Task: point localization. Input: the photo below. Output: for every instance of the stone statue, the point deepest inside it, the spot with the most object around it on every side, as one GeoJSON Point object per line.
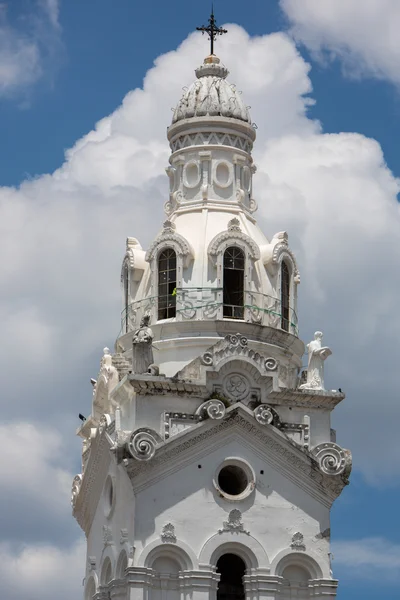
{"type": "Point", "coordinates": [317, 354]}
{"type": "Point", "coordinates": [142, 347]}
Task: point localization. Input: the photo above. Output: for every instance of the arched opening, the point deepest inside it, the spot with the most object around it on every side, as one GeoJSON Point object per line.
{"type": "Point", "coordinates": [233, 286]}
{"type": "Point", "coordinates": [122, 565]}
{"type": "Point", "coordinates": [285, 296]}
{"type": "Point", "coordinates": [166, 578]}
{"type": "Point", "coordinates": [126, 295]}
{"type": "Point", "coordinates": [167, 284]}
{"type": "Point", "coordinates": [232, 569]}
{"type": "Point", "coordinates": [296, 582]}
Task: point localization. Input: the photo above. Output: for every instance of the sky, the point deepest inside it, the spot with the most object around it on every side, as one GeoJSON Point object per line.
{"type": "Point", "coordinates": [86, 91]}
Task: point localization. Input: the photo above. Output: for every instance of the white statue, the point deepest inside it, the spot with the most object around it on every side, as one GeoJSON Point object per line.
{"type": "Point", "coordinates": [317, 354]}
{"type": "Point", "coordinates": [142, 347]}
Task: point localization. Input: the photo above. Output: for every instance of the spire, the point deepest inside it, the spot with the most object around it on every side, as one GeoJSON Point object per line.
{"type": "Point", "coordinates": [212, 30]}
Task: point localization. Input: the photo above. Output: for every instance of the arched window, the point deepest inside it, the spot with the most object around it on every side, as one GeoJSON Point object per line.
{"type": "Point", "coordinates": [233, 290]}
{"type": "Point", "coordinates": [232, 569]}
{"type": "Point", "coordinates": [126, 295]}
{"type": "Point", "coordinates": [285, 296]}
{"type": "Point", "coordinates": [167, 284]}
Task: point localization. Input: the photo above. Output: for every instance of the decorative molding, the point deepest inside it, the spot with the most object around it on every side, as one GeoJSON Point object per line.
{"type": "Point", "coordinates": [213, 409]}
{"type": "Point", "coordinates": [107, 535]}
{"type": "Point", "coordinates": [76, 486]}
{"type": "Point", "coordinates": [263, 414]}
{"type": "Point", "coordinates": [91, 560]}
{"type": "Point", "coordinates": [332, 459]}
{"type": "Point", "coordinates": [142, 443]}
{"type": "Point", "coordinates": [124, 537]}
{"type": "Point", "coordinates": [297, 462]}
{"type": "Point", "coordinates": [211, 139]}
{"type": "Point", "coordinates": [234, 236]}
{"type": "Point", "coordinates": [169, 237]}
{"type": "Point", "coordinates": [168, 534]}
{"type": "Point", "coordinates": [298, 542]}
{"type": "Point", "coordinates": [234, 523]}
{"type": "Point", "coordinates": [175, 422]}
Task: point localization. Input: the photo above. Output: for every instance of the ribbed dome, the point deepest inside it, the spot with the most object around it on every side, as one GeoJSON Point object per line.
{"type": "Point", "coordinates": [211, 95]}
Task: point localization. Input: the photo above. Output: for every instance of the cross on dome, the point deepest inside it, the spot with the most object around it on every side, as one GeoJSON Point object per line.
{"type": "Point", "coordinates": [212, 30]}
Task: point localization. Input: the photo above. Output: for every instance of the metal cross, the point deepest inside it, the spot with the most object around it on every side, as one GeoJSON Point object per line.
{"type": "Point", "coordinates": [212, 30]}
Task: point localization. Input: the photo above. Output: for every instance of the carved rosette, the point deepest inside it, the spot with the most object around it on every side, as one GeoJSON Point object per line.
{"type": "Point", "coordinates": [142, 445]}
{"type": "Point", "coordinates": [76, 486]}
{"type": "Point", "coordinates": [332, 459]}
{"type": "Point", "coordinates": [263, 414]}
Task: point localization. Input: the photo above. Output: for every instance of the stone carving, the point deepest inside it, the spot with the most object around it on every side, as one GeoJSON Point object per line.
{"type": "Point", "coordinates": [122, 365]}
{"type": "Point", "coordinates": [107, 535]}
{"type": "Point", "coordinates": [76, 486]}
{"type": "Point", "coordinates": [169, 237]}
{"type": "Point", "coordinates": [124, 536]}
{"type": "Point", "coordinates": [234, 224]}
{"type": "Point", "coordinates": [107, 379]}
{"type": "Point", "coordinates": [317, 354]}
{"type": "Point", "coordinates": [234, 523]}
{"type": "Point", "coordinates": [237, 339]}
{"type": "Point", "coordinates": [213, 409]}
{"type": "Point", "coordinates": [332, 459]}
{"type": "Point", "coordinates": [207, 358]}
{"type": "Point", "coordinates": [271, 364]}
{"type": "Point", "coordinates": [142, 343]}
{"type": "Point", "coordinates": [300, 464]}
{"type": "Point", "coordinates": [218, 243]}
{"type": "Point", "coordinates": [298, 542]}
{"type": "Point", "coordinates": [105, 421]}
{"type": "Point", "coordinates": [236, 386]}
{"type": "Point", "coordinates": [263, 414]}
{"type": "Point", "coordinates": [142, 444]}
{"type": "Point", "coordinates": [91, 563]}
{"type": "Point", "coordinates": [168, 534]}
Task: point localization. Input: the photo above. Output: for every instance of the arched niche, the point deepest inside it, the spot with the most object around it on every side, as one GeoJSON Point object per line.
{"type": "Point", "coordinates": [307, 561]}
{"type": "Point", "coordinates": [180, 551]}
{"type": "Point", "coordinates": [243, 545]}
{"type": "Point", "coordinates": [122, 564]}
{"type": "Point", "coordinates": [106, 573]}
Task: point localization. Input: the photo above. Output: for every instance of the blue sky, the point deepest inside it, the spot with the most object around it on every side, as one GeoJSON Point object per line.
{"type": "Point", "coordinates": [82, 60]}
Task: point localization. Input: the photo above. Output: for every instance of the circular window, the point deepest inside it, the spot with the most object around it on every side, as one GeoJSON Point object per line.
{"type": "Point", "coordinates": [191, 175]}
{"type": "Point", "coordinates": [234, 479]}
{"type": "Point", "coordinates": [223, 174]}
{"type": "Point", "coordinates": [109, 496]}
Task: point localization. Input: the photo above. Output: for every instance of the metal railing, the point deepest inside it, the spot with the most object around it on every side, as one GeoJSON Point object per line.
{"type": "Point", "coordinates": [206, 304]}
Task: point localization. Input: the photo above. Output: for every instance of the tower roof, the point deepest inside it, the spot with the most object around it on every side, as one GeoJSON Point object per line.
{"type": "Point", "coordinates": [211, 95]}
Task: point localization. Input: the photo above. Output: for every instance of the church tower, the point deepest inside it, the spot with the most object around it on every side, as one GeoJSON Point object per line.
{"type": "Point", "coordinates": [209, 466]}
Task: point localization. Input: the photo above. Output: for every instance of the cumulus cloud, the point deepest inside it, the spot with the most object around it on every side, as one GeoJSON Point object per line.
{"type": "Point", "coordinates": [42, 572]}
{"type": "Point", "coordinates": [362, 33]}
{"type": "Point", "coordinates": [64, 237]}
{"type": "Point", "coordinates": [369, 557]}
{"type": "Point", "coordinates": [27, 45]}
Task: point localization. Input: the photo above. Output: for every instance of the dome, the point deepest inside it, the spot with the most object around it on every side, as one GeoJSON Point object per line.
{"type": "Point", "coordinates": [211, 95]}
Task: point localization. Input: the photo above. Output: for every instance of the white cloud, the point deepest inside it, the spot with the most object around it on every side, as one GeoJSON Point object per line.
{"type": "Point", "coordinates": [26, 46]}
{"type": "Point", "coordinates": [363, 33]}
{"type": "Point", "coordinates": [42, 572]}
{"type": "Point", "coordinates": [369, 557]}
{"type": "Point", "coordinates": [64, 236]}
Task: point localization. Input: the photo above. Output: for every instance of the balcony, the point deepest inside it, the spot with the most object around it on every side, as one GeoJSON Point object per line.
{"type": "Point", "coordinates": [206, 304]}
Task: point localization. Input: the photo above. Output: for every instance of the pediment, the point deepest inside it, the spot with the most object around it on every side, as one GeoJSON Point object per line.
{"type": "Point", "coordinates": [238, 422]}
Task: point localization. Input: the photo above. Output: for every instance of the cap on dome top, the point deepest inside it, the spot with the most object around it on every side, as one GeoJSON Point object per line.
{"type": "Point", "coordinates": [211, 95]}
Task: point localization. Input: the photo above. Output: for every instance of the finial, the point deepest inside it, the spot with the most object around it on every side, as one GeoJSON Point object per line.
{"type": "Point", "coordinates": [212, 30]}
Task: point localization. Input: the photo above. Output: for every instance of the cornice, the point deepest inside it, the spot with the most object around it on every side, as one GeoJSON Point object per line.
{"type": "Point", "coordinates": [306, 398]}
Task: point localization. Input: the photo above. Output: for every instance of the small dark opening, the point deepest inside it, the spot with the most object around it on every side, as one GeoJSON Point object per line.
{"type": "Point", "coordinates": [199, 466]}
{"type": "Point", "coordinates": [167, 284]}
{"type": "Point", "coordinates": [262, 472]}
{"type": "Point", "coordinates": [232, 480]}
{"type": "Point", "coordinates": [233, 290]}
{"type": "Point", "coordinates": [285, 296]}
{"type": "Point", "coordinates": [232, 570]}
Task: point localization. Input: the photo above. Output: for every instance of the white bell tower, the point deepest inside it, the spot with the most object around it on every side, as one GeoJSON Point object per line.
{"type": "Point", "coordinates": [209, 466]}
